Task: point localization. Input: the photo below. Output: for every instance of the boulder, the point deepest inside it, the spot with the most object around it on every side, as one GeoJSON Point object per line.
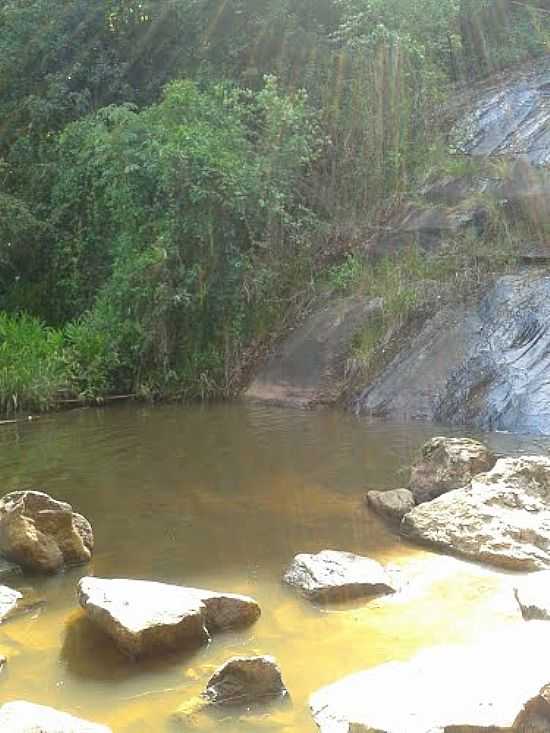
{"type": "Point", "coordinates": [393, 504]}
{"type": "Point", "coordinates": [245, 681]}
{"type": "Point", "coordinates": [25, 717]}
{"type": "Point", "coordinates": [533, 595]}
{"type": "Point", "coordinates": [448, 689]}
{"type": "Point", "coordinates": [142, 617]}
{"type": "Point", "coordinates": [446, 464]}
{"type": "Point", "coordinates": [331, 575]}
{"type": "Point", "coordinates": [502, 517]}
{"type": "Point", "coordinates": [9, 599]}
{"type": "Point", "coordinates": [41, 533]}
{"type": "Point", "coordinates": [226, 610]}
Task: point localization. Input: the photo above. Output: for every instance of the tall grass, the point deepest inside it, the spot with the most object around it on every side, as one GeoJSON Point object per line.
{"type": "Point", "coordinates": [32, 367]}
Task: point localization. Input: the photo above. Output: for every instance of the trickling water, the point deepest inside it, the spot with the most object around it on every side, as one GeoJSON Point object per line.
{"type": "Point", "coordinates": [222, 497]}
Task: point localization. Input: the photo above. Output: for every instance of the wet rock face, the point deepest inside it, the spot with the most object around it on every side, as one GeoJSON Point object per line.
{"type": "Point", "coordinates": [482, 365]}
{"type": "Point", "coordinates": [245, 681]}
{"type": "Point", "coordinates": [502, 517]}
{"type": "Point", "coordinates": [24, 717]}
{"type": "Point", "coordinates": [511, 119]}
{"type": "Point", "coordinates": [392, 504]}
{"type": "Point", "coordinates": [332, 576]}
{"type": "Point", "coordinates": [446, 464]}
{"type": "Point", "coordinates": [145, 618]}
{"type": "Point", "coordinates": [43, 534]}
{"type": "Point", "coordinates": [473, 689]}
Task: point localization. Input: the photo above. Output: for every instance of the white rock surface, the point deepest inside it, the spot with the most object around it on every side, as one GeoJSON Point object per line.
{"type": "Point", "coordinates": [25, 717]}
{"type": "Point", "coordinates": [332, 575]}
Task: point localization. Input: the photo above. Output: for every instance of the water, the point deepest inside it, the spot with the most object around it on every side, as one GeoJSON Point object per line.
{"type": "Point", "coordinates": [222, 497]}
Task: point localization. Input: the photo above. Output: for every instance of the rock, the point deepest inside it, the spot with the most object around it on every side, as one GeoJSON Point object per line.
{"type": "Point", "coordinates": [226, 610]}
{"type": "Point", "coordinates": [142, 617]}
{"type": "Point", "coordinates": [41, 533]}
{"type": "Point", "coordinates": [446, 689]}
{"type": "Point", "coordinates": [7, 568]}
{"type": "Point", "coordinates": [446, 464]}
{"type": "Point", "coordinates": [533, 595]}
{"type": "Point", "coordinates": [9, 599]}
{"type": "Point", "coordinates": [25, 717]}
{"type": "Point", "coordinates": [393, 504]}
{"type": "Point", "coordinates": [337, 576]}
{"type": "Point", "coordinates": [535, 716]}
{"type": "Point", "coordinates": [481, 363]}
{"type": "Point", "coordinates": [502, 517]}
{"type": "Point", "coordinates": [308, 367]}
{"type": "Point", "coordinates": [512, 119]}
{"type": "Point", "coordinates": [245, 681]}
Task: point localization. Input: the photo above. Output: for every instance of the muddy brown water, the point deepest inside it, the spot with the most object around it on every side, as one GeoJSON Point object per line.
{"type": "Point", "coordinates": [222, 497]}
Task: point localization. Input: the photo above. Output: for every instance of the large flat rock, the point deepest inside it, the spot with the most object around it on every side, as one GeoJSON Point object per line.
{"type": "Point", "coordinates": [25, 717]}
{"type": "Point", "coordinates": [332, 575]}
{"type": "Point", "coordinates": [143, 617]}
{"type": "Point", "coordinates": [308, 366]}
{"type": "Point", "coordinates": [502, 517]}
{"type": "Point", "coordinates": [482, 687]}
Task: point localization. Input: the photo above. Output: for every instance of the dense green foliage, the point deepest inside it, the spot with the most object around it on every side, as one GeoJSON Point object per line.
{"type": "Point", "coordinates": [172, 172]}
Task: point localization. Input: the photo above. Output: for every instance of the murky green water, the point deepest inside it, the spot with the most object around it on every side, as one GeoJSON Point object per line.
{"type": "Point", "coordinates": [222, 497]}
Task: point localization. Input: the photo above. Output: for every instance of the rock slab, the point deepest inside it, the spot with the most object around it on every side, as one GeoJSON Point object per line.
{"type": "Point", "coordinates": [392, 504]}
{"type": "Point", "coordinates": [502, 517]}
{"type": "Point", "coordinates": [42, 534]}
{"type": "Point", "coordinates": [25, 717]}
{"type": "Point", "coordinates": [144, 618]}
{"type": "Point", "coordinates": [246, 681]}
{"type": "Point", "coordinates": [446, 464]}
{"type": "Point", "coordinates": [9, 599]}
{"type": "Point", "coordinates": [332, 575]}
{"type": "Point", "coordinates": [445, 689]}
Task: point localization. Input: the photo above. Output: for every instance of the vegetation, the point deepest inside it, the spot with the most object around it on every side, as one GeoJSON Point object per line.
{"type": "Point", "coordinates": [174, 174]}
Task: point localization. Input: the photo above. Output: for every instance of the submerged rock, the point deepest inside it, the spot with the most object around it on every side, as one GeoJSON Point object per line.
{"type": "Point", "coordinates": [331, 575]}
{"type": "Point", "coordinates": [479, 688]}
{"type": "Point", "coordinates": [446, 464]}
{"type": "Point", "coordinates": [246, 681]}
{"type": "Point", "coordinates": [25, 717]}
{"type": "Point", "coordinates": [502, 517]}
{"type": "Point", "coordinates": [41, 533]}
{"type": "Point", "coordinates": [393, 504]}
{"type": "Point", "coordinates": [533, 595]}
{"type": "Point", "coordinates": [144, 617]}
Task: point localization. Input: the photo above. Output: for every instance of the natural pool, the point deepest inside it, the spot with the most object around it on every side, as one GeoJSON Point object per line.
{"type": "Point", "coordinates": [222, 497]}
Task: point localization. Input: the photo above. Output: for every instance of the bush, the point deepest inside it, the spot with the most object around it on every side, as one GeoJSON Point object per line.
{"type": "Point", "coordinates": [32, 367]}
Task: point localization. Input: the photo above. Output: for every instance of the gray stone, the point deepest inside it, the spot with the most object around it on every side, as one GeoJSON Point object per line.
{"type": "Point", "coordinates": [309, 366]}
{"type": "Point", "coordinates": [483, 687]}
{"type": "Point", "coordinates": [142, 617]}
{"type": "Point", "coordinates": [533, 595]}
{"type": "Point", "coordinates": [502, 517]}
{"type": "Point", "coordinates": [393, 504]}
{"type": "Point", "coordinates": [25, 717]}
{"type": "Point", "coordinates": [41, 533]}
{"type": "Point", "coordinates": [226, 610]}
{"type": "Point", "coordinates": [331, 575]}
{"type": "Point", "coordinates": [446, 464]}
{"type": "Point", "coordinates": [245, 681]}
